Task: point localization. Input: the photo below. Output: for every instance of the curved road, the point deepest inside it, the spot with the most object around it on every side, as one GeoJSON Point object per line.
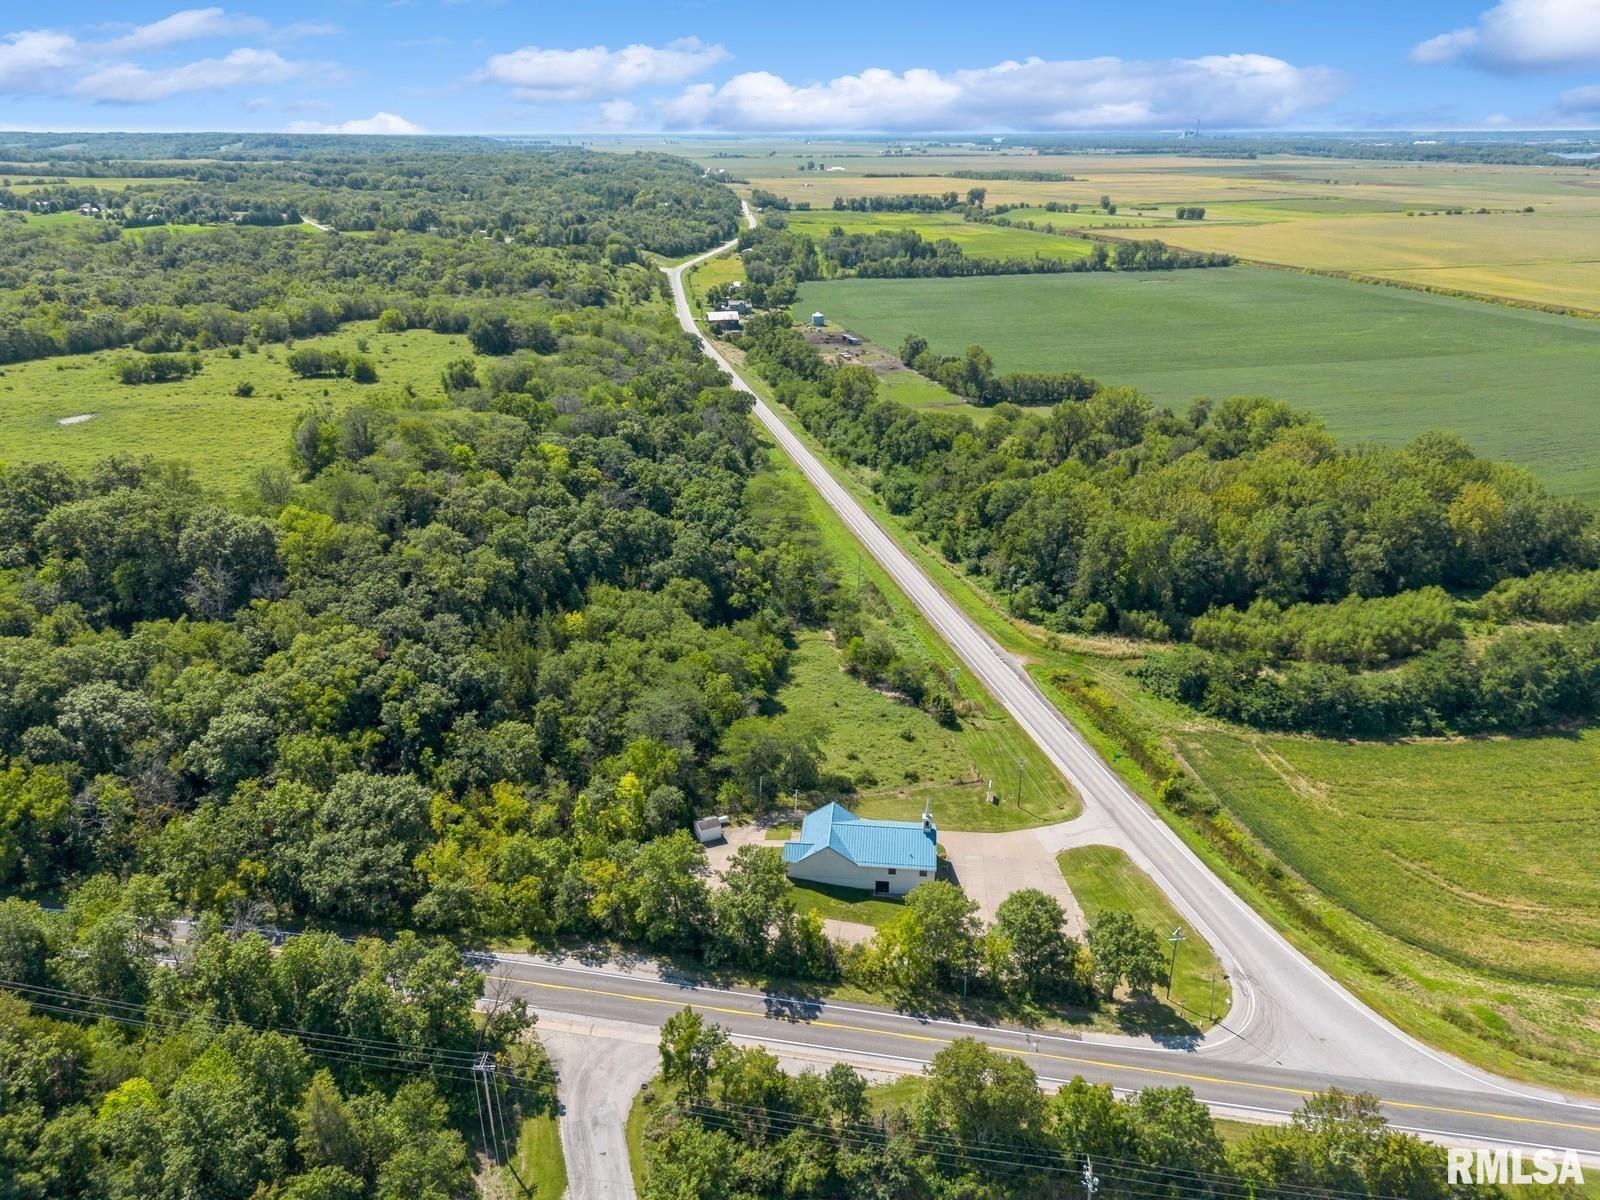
{"type": "Point", "coordinates": [1288, 1013]}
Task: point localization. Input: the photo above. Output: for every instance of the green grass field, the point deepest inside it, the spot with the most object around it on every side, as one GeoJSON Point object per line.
{"type": "Point", "coordinates": [1375, 363]}
{"type": "Point", "coordinates": [224, 437]}
{"type": "Point", "coordinates": [1103, 877]}
{"type": "Point", "coordinates": [844, 904]}
{"type": "Point", "coordinates": [975, 238]}
{"type": "Point", "coordinates": [540, 1165]}
{"type": "Point", "coordinates": [900, 757]}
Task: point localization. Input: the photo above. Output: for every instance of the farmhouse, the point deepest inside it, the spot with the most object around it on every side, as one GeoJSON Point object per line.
{"type": "Point", "coordinates": [888, 858]}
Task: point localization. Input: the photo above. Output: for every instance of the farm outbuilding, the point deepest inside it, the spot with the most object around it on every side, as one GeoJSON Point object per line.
{"type": "Point", "coordinates": [708, 830]}
{"type": "Point", "coordinates": [723, 320]}
{"type": "Point", "coordinates": [818, 320]}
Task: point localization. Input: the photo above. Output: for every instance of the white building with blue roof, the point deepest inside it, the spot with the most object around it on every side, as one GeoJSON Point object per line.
{"type": "Point", "coordinates": [888, 858]}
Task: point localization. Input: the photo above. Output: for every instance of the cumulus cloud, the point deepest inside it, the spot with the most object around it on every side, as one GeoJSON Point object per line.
{"type": "Point", "coordinates": [1521, 35]}
{"type": "Point", "coordinates": [1580, 101]}
{"type": "Point", "coordinates": [618, 114]}
{"type": "Point", "coordinates": [1231, 90]}
{"type": "Point", "coordinates": [35, 59]}
{"type": "Point", "coordinates": [378, 122]}
{"type": "Point", "coordinates": [534, 73]}
{"type": "Point", "coordinates": [190, 25]}
{"type": "Point", "coordinates": [129, 83]}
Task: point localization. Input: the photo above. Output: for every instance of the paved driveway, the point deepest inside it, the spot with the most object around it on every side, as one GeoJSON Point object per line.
{"type": "Point", "coordinates": [990, 866]}
{"type": "Point", "coordinates": [734, 836]}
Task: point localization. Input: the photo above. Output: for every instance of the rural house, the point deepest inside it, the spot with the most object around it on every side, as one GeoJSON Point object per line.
{"type": "Point", "coordinates": [888, 858]}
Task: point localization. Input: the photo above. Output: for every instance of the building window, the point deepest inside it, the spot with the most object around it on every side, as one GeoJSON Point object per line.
{"type": "Point", "coordinates": [922, 874]}
{"type": "Point", "coordinates": [891, 870]}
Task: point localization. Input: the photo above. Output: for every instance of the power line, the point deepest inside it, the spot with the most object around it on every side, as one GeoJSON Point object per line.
{"type": "Point", "coordinates": [347, 1048]}
{"type": "Point", "coordinates": [1043, 1157]}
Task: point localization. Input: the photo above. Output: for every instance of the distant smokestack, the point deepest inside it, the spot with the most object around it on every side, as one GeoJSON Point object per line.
{"type": "Point", "coordinates": [927, 817]}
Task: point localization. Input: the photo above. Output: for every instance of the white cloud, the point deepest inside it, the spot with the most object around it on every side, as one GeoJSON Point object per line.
{"type": "Point", "coordinates": [190, 25]}
{"type": "Point", "coordinates": [1581, 101]}
{"type": "Point", "coordinates": [378, 122]}
{"type": "Point", "coordinates": [34, 60]}
{"type": "Point", "coordinates": [129, 83]}
{"type": "Point", "coordinates": [618, 114]}
{"type": "Point", "coordinates": [1521, 35]}
{"type": "Point", "coordinates": [538, 74]}
{"type": "Point", "coordinates": [1219, 91]}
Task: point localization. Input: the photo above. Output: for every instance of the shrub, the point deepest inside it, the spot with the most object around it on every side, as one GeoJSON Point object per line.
{"type": "Point", "coordinates": [157, 368]}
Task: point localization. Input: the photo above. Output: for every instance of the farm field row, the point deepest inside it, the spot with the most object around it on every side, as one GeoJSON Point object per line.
{"type": "Point", "coordinates": [223, 436]}
{"type": "Point", "coordinates": [1375, 363]}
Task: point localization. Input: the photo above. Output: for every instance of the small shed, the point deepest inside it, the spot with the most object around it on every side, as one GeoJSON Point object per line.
{"type": "Point", "coordinates": [818, 320]}
{"type": "Point", "coordinates": [851, 339]}
{"type": "Point", "coordinates": [709, 829]}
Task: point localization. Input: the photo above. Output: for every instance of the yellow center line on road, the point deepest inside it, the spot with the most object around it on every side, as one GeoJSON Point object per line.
{"type": "Point", "coordinates": [1163, 1072]}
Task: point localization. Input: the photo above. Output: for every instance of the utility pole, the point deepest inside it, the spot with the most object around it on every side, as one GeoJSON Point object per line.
{"type": "Point", "coordinates": [1211, 999]}
{"type": "Point", "coordinates": [1177, 936]}
{"type": "Point", "coordinates": [1091, 1181]}
{"type": "Point", "coordinates": [1019, 783]}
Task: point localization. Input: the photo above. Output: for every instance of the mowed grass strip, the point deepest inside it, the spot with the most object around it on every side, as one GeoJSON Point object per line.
{"type": "Point", "coordinates": [1104, 878]}
{"type": "Point", "coordinates": [1375, 363]}
{"type": "Point", "coordinates": [541, 1167]}
{"type": "Point", "coordinates": [224, 437]}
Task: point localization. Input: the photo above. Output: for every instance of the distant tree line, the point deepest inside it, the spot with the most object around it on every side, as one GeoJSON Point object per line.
{"type": "Point", "coordinates": [972, 375]}
{"type": "Point", "coordinates": [946, 202]}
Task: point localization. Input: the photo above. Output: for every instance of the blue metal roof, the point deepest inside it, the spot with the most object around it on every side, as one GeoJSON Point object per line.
{"type": "Point", "coordinates": [866, 843]}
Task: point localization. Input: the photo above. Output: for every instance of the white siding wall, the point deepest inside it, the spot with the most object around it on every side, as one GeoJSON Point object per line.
{"type": "Point", "coordinates": [828, 866]}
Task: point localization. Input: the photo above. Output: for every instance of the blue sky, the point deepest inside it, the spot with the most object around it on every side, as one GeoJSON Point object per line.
{"type": "Point", "coordinates": [464, 66]}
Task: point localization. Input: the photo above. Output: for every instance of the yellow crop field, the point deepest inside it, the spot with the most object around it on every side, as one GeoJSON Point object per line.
{"type": "Point", "coordinates": [1471, 231]}
{"type": "Point", "coordinates": [1543, 258]}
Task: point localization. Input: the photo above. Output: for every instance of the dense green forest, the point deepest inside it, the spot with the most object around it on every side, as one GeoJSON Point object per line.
{"type": "Point", "coordinates": [725, 1122]}
{"type": "Point", "coordinates": [135, 1064]}
{"type": "Point", "coordinates": [441, 238]}
{"type": "Point", "coordinates": [1319, 588]}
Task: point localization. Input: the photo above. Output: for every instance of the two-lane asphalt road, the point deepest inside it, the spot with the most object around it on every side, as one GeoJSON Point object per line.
{"type": "Point", "coordinates": [1288, 1013]}
{"type": "Point", "coordinates": [798, 1027]}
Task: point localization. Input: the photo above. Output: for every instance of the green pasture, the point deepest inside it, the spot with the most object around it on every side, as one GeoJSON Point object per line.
{"type": "Point", "coordinates": [899, 757]}
{"type": "Point", "coordinates": [224, 437]}
{"type": "Point", "coordinates": [1379, 364]}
